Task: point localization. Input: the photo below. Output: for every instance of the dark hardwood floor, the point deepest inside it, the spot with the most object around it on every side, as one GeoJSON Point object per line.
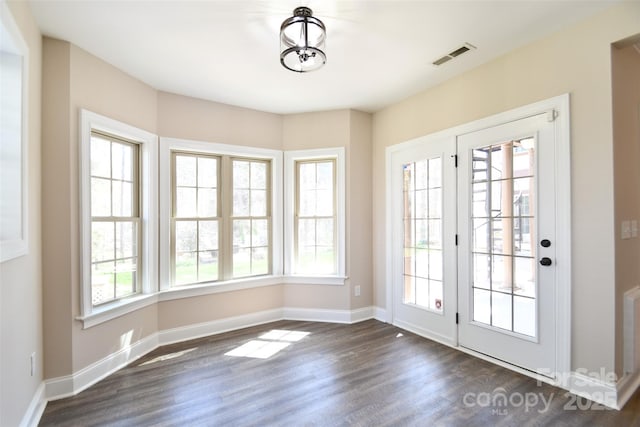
{"type": "Point", "coordinates": [366, 374]}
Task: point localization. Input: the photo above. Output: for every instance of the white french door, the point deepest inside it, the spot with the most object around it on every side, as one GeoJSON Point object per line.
{"type": "Point", "coordinates": [506, 227]}
{"type": "Point", "coordinates": [424, 252]}
{"type": "Point", "coordinates": [479, 236]}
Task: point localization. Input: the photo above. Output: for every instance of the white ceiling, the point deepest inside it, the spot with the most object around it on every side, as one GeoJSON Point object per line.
{"type": "Point", "coordinates": [378, 52]}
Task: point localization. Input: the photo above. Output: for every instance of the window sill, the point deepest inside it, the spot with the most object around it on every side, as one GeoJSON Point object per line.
{"type": "Point", "coordinates": [315, 280]}
{"type": "Point", "coordinates": [116, 309]}
{"type": "Point", "coordinates": [247, 283]}
{"type": "Point", "coordinates": [218, 287]}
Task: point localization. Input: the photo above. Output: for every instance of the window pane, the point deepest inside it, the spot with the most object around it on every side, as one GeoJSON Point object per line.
{"type": "Point", "coordinates": [125, 239]}
{"type": "Point", "coordinates": [241, 202]}
{"type": "Point", "coordinates": [501, 310]}
{"type": "Point", "coordinates": [307, 176]}
{"type": "Point", "coordinates": [122, 198]}
{"type": "Point", "coordinates": [100, 197]}
{"type": "Point", "coordinates": [186, 268]}
{"type": "Point", "coordinates": [435, 202]}
{"type": "Point", "coordinates": [102, 282]}
{"type": "Point", "coordinates": [100, 157]}
{"type": "Point", "coordinates": [102, 241]}
{"type": "Point", "coordinates": [325, 261]}
{"type": "Point", "coordinates": [208, 235]}
{"type": "Point", "coordinates": [258, 203]}
{"type": "Point", "coordinates": [422, 263]}
{"type": "Point", "coordinates": [186, 202]}
{"type": "Point", "coordinates": [324, 232]}
{"type": "Point", "coordinates": [482, 306]}
{"type": "Point", "coordinates": [259, 232]}
{"type": "Point", "coordinates": [421, 175]}
{"type": "Point", "coordinates": [307, 232]}
{"type": "Point", "coordinates": [324, 177]}
{"type": "Point", "coordinates": [241, 262]}
{"type": "Point", "coordinates": [185, 171]}
{"type": "Point", "coordinates": [307, 200]}
{"type": "Point", "coordinates": [125, 277]}
{"type": "Point", "coordinates": [207, 203]}
{"type": "Point", "coordinates": [435, 172]}
{"type": "Point", "coordinates": [421, 204]}
{"type": "Point", "coordinates": [259, 261]}
{"type": "Point", "coordinates": [324, 202]}
{"type": "Point", "coordinates": [186, 236]}
{"type": "Point", "coordinates": [259, 175]}
{"type": "Point", "coordinates": [524, 316]}
{"type": "Point", "coordinates": [241, 171]}
{"type": "Point", "coordinates": [207, 266]}
{"type": "Point", "coordinates": [242, 233]}
{"type": "Point", "coordinates": [207, 172]}
{"type": "Point", "coordinates": [422, 292]}
{"type": "Point", "coordinates": [122, 161]}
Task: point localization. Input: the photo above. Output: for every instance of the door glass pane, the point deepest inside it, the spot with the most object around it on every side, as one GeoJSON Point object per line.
{"type": "Point", "coordinates": [503, 236]}
{"type": "Point", "coordinates": [423, 262]}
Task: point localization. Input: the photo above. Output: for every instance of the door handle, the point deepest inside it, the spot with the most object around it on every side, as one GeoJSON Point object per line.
{"type": "Point", "coordinates": [545, 261]}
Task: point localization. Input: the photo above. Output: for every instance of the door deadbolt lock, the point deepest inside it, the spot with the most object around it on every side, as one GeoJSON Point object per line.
{"type": "Point", "coordinates": [545, 243]}
{"type": "Point", "coordinates": [545, 261]}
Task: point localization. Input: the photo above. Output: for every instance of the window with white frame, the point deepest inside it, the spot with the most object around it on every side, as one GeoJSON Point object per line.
{"type": "Point", "coordinates": [115, 218]}
{"type": "Point", "coordinates": [315, 216]}
{"type": "Point", "coordinates": [196, 218]}
{"type": "Point", "coordinates": [118, 201]}
{"type": "Point", "coordinates": [250, 217]}
{"type": "Point", "coordinates": [221, 226]}
{"type": "Point", "coordinates": [200, 216]}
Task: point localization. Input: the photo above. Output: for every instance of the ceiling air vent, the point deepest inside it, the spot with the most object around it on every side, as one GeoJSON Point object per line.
{"type": "Point", "coordinates": [457, 52]}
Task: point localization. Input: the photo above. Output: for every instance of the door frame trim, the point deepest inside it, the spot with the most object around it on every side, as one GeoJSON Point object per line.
{"type": "Point", "coordinates": [558, 109]}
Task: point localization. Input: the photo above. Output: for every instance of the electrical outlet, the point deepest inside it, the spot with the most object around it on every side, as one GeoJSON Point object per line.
{"type": "Point", "coordinates": [356, 290]}
{"type": "Point", "coordinates": [33, 363]}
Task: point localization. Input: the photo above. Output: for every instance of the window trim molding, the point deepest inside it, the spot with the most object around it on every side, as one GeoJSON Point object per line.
{"type": "Point", "coordinates": [148, 173]}
{"type": "Point", "coordinates": [14, 248]}
{"type": "Point", "coordinates": [291, 157]}
{"type": "Point", "coordinates": [167, 146]}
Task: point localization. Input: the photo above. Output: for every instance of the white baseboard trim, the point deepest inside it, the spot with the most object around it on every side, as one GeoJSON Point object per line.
{"type": "Point", "coordinates": [380, 314]}
{"type": "Point", "coordinates": [61, 387]}
{"type": "Point", "coordinates": [592, 388]}
{"type": "Point", "coordinates": [199, 330]}
{"type": "Point", "coordinates": [325, 315]}
{"type": "Point", "coordinates": [362, 314]}
{"type": "Point", "coordinates": [626, 387]}
{"type": "Point", "coordinates": [70, 385]}
{"type": "Point", "coordinates": [34, 412]}
{"type": "Point", "coordinates": [425, 333]}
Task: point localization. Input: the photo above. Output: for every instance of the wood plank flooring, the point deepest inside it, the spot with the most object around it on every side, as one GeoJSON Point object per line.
{"type": "Point", "coordinates": [365, 374]}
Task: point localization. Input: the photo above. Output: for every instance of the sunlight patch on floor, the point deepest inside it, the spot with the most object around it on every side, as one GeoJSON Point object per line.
{"type": "Point", "coordinates": [267, 344]}
{"type": "Point", "coordinates": [169, 356]}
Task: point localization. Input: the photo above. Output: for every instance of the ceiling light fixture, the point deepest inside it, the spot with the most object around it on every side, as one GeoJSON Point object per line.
{"type": "Point", "coordinates": [302, 40]}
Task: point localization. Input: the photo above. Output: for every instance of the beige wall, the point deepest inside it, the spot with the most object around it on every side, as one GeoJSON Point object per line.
{"type": "Point", "coordinates": [21, 278]}
{"type": "Point", "coordinates": [75, 79]}
{"type": "Point", "coordinates": [575, 60]}
{"type": "Point", "coordinates": [351, 130]}
{"type": "Point", "coordinates": [625, 66]}
{"type": "Point", "coordinates": [199, 120]}
{"type": "Point", "coordinates": [359, 210]}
